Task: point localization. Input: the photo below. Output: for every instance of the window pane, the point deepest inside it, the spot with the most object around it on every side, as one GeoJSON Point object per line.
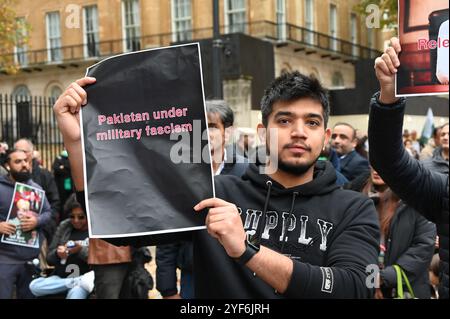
{"type": "Point", "coordinates": [236, 15]}
{"type": "Point", "coordinates": [182, 21]}
{"type": "Point", "coordinates": [132, 25]}
{"type": "Point", "coordinates": [309, 21]}
{"type": "Point", "coordinates": [333, 27]}
{"type": "Point", "coordinates": [91, 31]}
{"type": "Point", "coordinates": [54, 36]}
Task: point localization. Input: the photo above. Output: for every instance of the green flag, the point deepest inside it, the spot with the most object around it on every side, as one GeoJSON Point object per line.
{"type": "Point", "coordinates": [428, 128]}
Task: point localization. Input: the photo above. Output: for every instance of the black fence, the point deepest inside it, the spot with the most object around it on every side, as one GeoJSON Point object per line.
{"type": "Point", "coordinates": [32, 118]}
{"type": "Point", "coordinates": [303, 38]}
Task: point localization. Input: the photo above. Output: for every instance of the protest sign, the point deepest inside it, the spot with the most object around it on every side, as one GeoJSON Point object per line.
{"type": "Point", "coordinates": [423, 33]}
{"type": "Point", "coordinates": [146, 153]}
{"type": "Point", "coordinates": [26, 201]}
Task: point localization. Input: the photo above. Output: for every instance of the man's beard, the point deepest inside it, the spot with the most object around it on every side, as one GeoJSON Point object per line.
{"type": "Point", "coordinates": [21, 176]}
{"type": "Point", "coordinates": [295, 169]}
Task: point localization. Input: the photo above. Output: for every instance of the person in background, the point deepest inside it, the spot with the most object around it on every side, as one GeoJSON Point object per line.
{"type": "Point", "coordinates": [3, 150]}
{"type": "Point", "coordinates": [344, 141]}
{"type": "Point", "coordinates": [45, 179]}
{"type": "Point", "coordinates": [13, 258]}
{"type": "Point", "coordinates": [180, 255]}
{"type": "Point", "coordinates": [64, 258]}
{"type": "Point", "coordinates": [111, 265]}
{"type": "Point", "coordinates": [410, 149]}
{"type": "Point", "coordinates": [407, 239]}
{"type": "Point", "coordinates": [431, 145]}
{"type": "Point", "coordinates": [434, 276]}
{"type": "Point", "coordinates": [439, 160]}
{"type": "Point", "coordinates": [421, 188]}
{"type": "Point", "coordinates": [63, 177]}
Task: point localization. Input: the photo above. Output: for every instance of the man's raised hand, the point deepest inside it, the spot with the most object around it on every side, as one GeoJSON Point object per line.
{"type": "Point", "coordinates": [386, 66]}
{"type": "Point", "coordinates": [67, 109]}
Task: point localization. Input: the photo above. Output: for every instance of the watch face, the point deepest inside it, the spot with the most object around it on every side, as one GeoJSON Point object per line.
{"type": "Point", "coordinates": [254, 240]}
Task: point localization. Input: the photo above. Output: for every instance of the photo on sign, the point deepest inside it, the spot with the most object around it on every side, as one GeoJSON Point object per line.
{"type": "Point", "coordinates": [27, 201]}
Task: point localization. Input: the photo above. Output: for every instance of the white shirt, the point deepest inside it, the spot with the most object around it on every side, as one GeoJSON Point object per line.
{"type": "Point", "coordinates": [222, 165]}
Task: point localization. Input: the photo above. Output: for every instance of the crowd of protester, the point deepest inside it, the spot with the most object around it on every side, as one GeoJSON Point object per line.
{"type": "Point", "coordinates": [407, 238]}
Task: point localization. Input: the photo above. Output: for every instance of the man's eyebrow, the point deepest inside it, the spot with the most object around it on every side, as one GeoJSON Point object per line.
{"type": "Point", "coordinates": [314, 115]}
{"type": "Point", "coordinates": [283, 113]}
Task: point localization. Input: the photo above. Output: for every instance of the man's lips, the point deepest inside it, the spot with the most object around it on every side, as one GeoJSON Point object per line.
{"type": "Point", "coordinates": [297, 148]}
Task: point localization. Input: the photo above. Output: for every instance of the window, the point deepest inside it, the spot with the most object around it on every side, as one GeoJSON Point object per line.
{"type": "Point", "coordinates": [235, 16]}
{"type": "Point", "coordinates": [181, 20]}
{"type": "Point", "coordinates": [53, 37]}
{"type": "Point", "coordinates": [333, 27]}
{"type": "Point", "coordinates": [131, 25]}
{"type": "Point", "coordinates": [55, 91]}
{"type": "Point", "coordinates": [354, 34]}
{"type": "Point", "coordinates": [337, 81]}
{"type": "Point", "coordinates": [20, 50]}
{"type": "Point", "coordinates": [281, 19]}
{"type": "Point", "coordinates": [21, 90]}
{"type": "Point", "coordinates": [309, 21]}
{"type": "Point", "coordinates": [371, 41]}
{"type": "Point", "coordinates": [91, 45]}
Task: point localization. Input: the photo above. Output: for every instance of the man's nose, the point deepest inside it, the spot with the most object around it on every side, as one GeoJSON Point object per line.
{"type": "Point", "coordinates": [298, 130]}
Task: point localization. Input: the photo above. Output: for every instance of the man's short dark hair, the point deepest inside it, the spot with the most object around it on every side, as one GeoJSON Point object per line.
{"type": "Point", "coordinates": [10, 152]}
{"type": "Point", "coordinates": [348, 125]}
{"type": "Point", "coordinates": [293, 86]}
{"type": "Point", "coordinates": [221, 108]}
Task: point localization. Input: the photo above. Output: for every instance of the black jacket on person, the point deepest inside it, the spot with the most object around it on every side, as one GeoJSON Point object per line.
{"type": "Point", "coordinates": [45, 179]}
{"type": "Point", "coordinates": [409, 244]}
{"type": "Point", "coordinates": [353, 165]}
{"type": "Point", "coordinates": [63, 176]}
{"type": "Point", "coordinates": [419, 187]}
{"type": "Point", "coordinates": [437, 163]}
{"type": "Point", "coordinates": [331, 235]}
{"type": "Point", "coordinates": [62, 236]}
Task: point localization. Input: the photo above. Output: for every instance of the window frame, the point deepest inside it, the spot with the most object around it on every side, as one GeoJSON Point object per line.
{"type": "Point", "coordinates": [94, 32]}
{"type": "Point", "coordinates": [241, 27]}
{"type": "Point", "coordinates": [134, 4]}
{"type": "Point", "coordinates": [181, 34]}
{"type": "Point", "coordinates": [54, 53]}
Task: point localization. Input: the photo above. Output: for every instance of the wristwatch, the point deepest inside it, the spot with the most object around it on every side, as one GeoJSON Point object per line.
{"type": "Point", "coordinates": [251, 249]}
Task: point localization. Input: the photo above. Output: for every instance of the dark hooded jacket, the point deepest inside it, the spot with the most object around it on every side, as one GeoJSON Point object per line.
{"type": "Point", "coordinates": [331, 235]}
{"type": "Point", "coordinates": [421, 188]}
{"type": "Point", "coordinates": [409, 244]}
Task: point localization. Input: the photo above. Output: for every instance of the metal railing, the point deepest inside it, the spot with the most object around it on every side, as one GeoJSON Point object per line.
{"type": "Point", "coordinates": [278, 33]}
{"type": "Point", "coordinates": [32, 118]}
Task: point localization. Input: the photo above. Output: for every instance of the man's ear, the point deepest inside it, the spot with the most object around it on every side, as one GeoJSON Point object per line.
{"type": "Point", "coordinates": [7, 167]}
{"type": "Point", "coordinates": [327, 137]}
